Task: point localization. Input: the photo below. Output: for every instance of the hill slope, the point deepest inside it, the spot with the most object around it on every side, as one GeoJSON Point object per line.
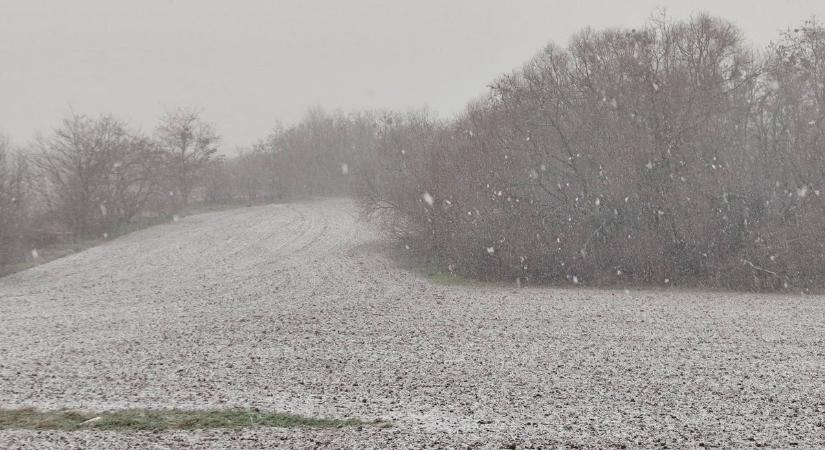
{"type": "Point", "coordinates": [294, 308]}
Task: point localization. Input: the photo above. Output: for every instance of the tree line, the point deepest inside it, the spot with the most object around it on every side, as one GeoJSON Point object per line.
{"type": "Point", "coordinates": [669, 154]}
{"type": "Point", "coordinates": [93, 174]}
{"type": "Point", "coordinates": [674, 153]}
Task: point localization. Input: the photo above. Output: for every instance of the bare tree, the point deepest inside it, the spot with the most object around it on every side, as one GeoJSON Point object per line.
{"type": "Point", "coordinates": [189, 144]}
{"type": "Point", "coordinates": [96, 172]}
{"type": "Point", "coordinates": [75, 162]}
{"type": "Point", "coordinates": [134, 176]}
{"type": "Point", "coordinates": [787, 243]}
{"type": "Point", "coordinates": [218, 182]}
{"type": "Point", "coordinates": [319, 155]}
{"type": "Point", "coordinates": [13, 203]}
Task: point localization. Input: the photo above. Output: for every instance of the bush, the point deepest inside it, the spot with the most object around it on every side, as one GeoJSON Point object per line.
{"type": "Point", "coordinates": [669, 154]}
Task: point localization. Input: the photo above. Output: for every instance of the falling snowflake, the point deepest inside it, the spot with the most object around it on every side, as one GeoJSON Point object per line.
{"type": "Point", "coordinates": [428, 199]}
{"type": "Point", "coordinates": [35, 254]}
{"type": "Point", "coordinates": [649, 165]}
{"type": "Point", "coordinates": [344, 168]}
{"type": "Point", "coordinates": [491, 250]}
{"type": "Point", "coordinates": [802, 191]}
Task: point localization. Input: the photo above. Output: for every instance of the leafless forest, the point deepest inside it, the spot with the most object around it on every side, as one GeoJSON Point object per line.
{"type": "Point", "coordinates": [672, 154]}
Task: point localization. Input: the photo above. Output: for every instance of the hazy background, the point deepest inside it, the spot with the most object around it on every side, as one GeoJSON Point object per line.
{"type": "Point", "coordinates": [251, 63]}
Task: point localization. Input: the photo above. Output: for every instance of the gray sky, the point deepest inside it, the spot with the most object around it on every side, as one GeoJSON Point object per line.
{"type": "Point", "coordinates": [250, 63]}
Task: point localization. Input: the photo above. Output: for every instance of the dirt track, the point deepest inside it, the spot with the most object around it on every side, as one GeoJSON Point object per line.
{"type": "Point", "coordinates": [296, 308]}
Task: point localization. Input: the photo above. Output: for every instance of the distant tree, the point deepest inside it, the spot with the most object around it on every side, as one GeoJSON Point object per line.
{"type": "Point", "coordinates": [134, 176]}
{"type": "Point", "coordinates": [319, 155]}
{"type": "Point", "coordinates": [96, 172]}
{"type": "Point", "coordinates": [250, 175]}
{"type": "Point", "coordinates": [218, 183]}
{"type": "Point", "coordinates": [13, 202]}
{"type": "Point", "coordinates": [189, 144]}
{"type": "Point", "coordinates": [628, 155]}
{"type": "Point", "coordinates": [74, 162]}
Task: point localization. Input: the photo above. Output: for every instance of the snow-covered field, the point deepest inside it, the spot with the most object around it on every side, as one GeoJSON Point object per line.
{"type": "Point", "coordinates": [296, 308]}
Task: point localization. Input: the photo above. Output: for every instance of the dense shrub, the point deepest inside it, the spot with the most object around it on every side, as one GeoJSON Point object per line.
{"type": "Point", "coordinates": [668, 154]}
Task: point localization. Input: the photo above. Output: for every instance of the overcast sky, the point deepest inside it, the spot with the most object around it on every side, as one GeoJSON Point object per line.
{"type": "Point", "coordinates": [250, 63]}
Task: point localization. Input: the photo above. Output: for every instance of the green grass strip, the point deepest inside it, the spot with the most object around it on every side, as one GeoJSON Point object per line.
{"type": "Point", "coordinates": [162, 419]}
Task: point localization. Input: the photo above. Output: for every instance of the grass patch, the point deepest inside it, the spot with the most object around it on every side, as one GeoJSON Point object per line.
{"type": "Point", "coordinates": [417, 262]}
{"type": "Point", "coordinates": [438, 276]}
{"type": "Point", "coordinates": [163, 419]}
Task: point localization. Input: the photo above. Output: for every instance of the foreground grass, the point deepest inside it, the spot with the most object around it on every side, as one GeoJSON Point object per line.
{"type": "Point", "coordinates": [162, 419]}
